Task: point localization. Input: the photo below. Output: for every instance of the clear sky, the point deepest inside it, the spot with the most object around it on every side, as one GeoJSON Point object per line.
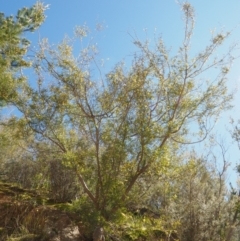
{"type": "Point", "coordinates": [146, 19]}
{"type": "Point", "coordinates": [142, 17]}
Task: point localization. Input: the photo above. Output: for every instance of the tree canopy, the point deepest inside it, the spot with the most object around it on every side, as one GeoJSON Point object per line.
{"type": "Point", "coordinates": [14, 46]}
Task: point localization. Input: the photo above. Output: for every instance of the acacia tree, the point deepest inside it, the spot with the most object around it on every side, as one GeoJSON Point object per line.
{"type": "Point", "coordinates": [114, 130]}
{"type": "Point", "coordinates": [14, 46]}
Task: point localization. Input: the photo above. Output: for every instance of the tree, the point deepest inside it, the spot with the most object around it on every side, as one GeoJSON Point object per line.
{"type": "Point", "coordinates": [189, 202]}
{"type": "Point", "coordinates": [114, 131]}
{"type": "Point", "coordinates": [203, 206]}
{"type": "Point", "coordinates": [14, 46]}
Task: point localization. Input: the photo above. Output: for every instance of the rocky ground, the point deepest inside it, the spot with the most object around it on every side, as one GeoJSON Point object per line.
{"type": "Point", "coordinates": [27, 216]}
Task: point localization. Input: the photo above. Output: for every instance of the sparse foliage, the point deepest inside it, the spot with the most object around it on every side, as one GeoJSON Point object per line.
{"type": "Point", "coordinates": [111, 132]}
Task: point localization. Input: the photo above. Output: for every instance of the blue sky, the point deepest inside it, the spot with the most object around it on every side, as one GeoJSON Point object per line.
{"type": "Point", "coordinates": [130, 16]}
{"type": "Point", "coordinates": [146, 19]}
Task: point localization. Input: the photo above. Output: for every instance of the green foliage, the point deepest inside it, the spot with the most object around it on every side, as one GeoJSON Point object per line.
{"type": "Point", "coordinates": [89, 216]}
{"type": "Point", "coordinates": [115, 134]}
{"type": "Point", "coordinates": [13, 47]}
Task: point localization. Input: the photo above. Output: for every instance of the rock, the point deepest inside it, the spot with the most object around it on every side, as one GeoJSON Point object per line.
{"type": "Point", "coordinates": [56, 238]}
{"type": "Point", "coordinates": [70, 233]}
